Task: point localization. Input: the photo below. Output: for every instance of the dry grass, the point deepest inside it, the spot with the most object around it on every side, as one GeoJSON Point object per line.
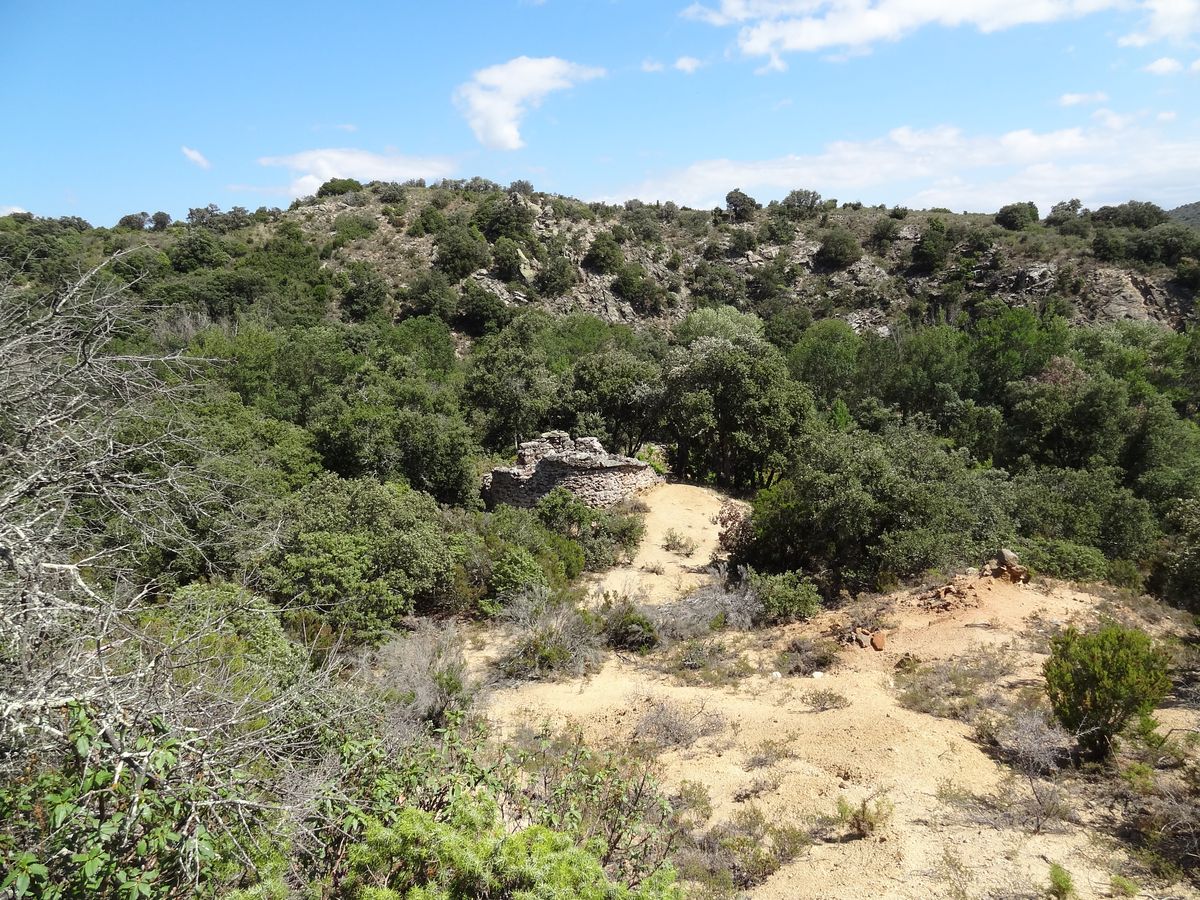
{"type": "Point", "coordinates": [668, 725]}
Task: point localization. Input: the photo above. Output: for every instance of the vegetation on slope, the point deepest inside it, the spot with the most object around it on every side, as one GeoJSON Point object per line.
{"type": "Point", "coordinates": [236, 457]}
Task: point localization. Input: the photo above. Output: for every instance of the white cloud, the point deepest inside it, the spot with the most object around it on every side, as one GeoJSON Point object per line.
{"type": "Point", "coordinates": [9, 210]}
{"type": "Point", "coordinates": [1170, 20]}
{"type": "Point", "coordinates": [652, 65]}
{"type": "Point", "coordinates": [195, 157]}
{"type": "Point", "coordinates": [773, 28]}
{"type": "Point", "coordinates": [497, 98]}
{"type": "Point", "coordinates": [1195, 66]}
{"type": "Point", "coordinates": [1112, 120]}
{"type": "Point", "coordinates": [1082, 99]}
{"type": "Point", "coordinates": [945, 166]}
{"type": "Point", "coordinates": [1164, 65]}
{"type": "Point", "coordinates": [1167, 115]}
{"type": "Point", "coordinates": [315, 167]}
{"type": "Point", "coordinates": [687, 64]}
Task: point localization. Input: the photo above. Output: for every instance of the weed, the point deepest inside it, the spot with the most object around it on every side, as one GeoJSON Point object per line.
{"type": "Point", "coordinates": [869, 816]}
{"type": "Point", "coordinates": [667, 725]}
{"type": "Point", "coordinates": [709, 662]}
{"type": "Point", "coordinates": [770, 752]}
{"type": "Point", "coordinates": [693, 803]}
{"type": "Point", "coordinates": [740, 853]}
{"type": "Point", "coordinates": [1062, 885]}
{"type": "Point", "coordinates": [754, 789]}
{"type": "Point", "coordinates": [1123, 887]}
{"type": "Point", "coordinates": [625, 626]}
{"type": "Point", "coordinates": [677, 542]}
{"type": "Point", "coordinates": [950, 689]}
{"type": "Point", "coordinates": [825, 699]}
{"type": "Point", "coordinates": [552, 639]}
{"type": "Point", "coordinates": [805, 655]}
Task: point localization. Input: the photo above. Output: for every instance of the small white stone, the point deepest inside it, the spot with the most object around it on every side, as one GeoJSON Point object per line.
{"type": "Point", "coordinates": [818, 674]}
{"type": "Point", "coordinates": [775, 676]}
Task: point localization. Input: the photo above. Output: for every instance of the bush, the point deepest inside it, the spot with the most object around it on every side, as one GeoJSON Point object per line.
{"type": "Point", "coordinates": [1017, 216]}
{"type": "Point", "coordinates": [839, 249]}
{"type": "Point", "coordinates": [1063, 559]}
{"type": "Point", "coordinates": [1062, 885]}
{"type": "Point", "coordinates": [603, 534]}
{"type": "Point", "coordinates": [604, 256]}
{"type": "Point", "coordinates": [864, 819]}
{"type": "Point", "coordinates": [742, 852]}
{"type": "Point", "coordinates": [516, 570]}
{"type": "Point", "coordinates": [426, 673]}
{"type": "Point", "coordinates": [461, 251]}
{"type": "Point", "coordinates": [805, 655]}
{"type": "Point", "coordinates": [789, 597]}
{"type": "Point", "coordinates": [335, 186]}
{"type": "Point", "coordinates": [472, 855]}
{"type": "Point", "coordinates": [362, 554]}
{"type": "Point", "coordinates": [552, 640]}
{"type": "Point", "coordinates": [677, 542]}
{"type": "Point", "coordinates": [625, 627]}
{"type": "Point", "coordinates": [353, 226]}
{"type": "Point", "coordinates": [1098, 682]}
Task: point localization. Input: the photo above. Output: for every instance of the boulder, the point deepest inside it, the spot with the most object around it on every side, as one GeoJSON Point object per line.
{"type": "Point", "coordinates": [878, 640]}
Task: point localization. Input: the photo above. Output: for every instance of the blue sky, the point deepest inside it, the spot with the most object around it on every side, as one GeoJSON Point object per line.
{"type": "Point", "coordinates": [116, 108]}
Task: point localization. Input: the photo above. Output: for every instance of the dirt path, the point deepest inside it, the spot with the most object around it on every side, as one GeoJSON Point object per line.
{"type": "Point", "coordinates": [770, 747]}
{"type": "Point", "coordinates": [654, 574]}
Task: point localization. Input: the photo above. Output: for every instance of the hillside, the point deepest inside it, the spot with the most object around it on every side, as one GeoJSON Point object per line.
{"type": "Point", "coordinates": [1188, 214]}
{"type": "Point", "coordinates": [667, 260]}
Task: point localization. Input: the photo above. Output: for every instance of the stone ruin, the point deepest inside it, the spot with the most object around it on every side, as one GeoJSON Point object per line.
{"type": "Point", "coordinates": [582, 466]}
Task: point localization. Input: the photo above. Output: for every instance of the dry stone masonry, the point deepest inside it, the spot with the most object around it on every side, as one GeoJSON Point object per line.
{"type": "Point", "coordinates": [582, 466]}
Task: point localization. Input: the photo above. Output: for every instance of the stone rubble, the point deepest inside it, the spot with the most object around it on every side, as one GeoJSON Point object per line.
{"type": "Point", "coordinates": [582, 466]}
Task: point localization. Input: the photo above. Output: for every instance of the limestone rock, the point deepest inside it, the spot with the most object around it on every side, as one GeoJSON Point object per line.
{"type": "Point", "coordinates": [582, 466]}
{"type": "Point", "coordinates": [878, 640]}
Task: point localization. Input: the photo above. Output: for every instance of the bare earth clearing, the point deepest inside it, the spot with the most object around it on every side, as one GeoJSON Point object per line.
{"type": "Point", "coordinates": [872, 748]}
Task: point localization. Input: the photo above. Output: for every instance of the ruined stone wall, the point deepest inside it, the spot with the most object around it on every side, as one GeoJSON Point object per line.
{"type": "Point", "coordinates": [581, 466]}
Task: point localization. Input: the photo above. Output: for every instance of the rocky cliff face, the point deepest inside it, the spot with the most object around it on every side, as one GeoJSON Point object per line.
{"type": "Point", "coordinates": [582, 466]}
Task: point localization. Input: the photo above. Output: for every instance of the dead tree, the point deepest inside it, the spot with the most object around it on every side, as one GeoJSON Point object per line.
{"type": "Point", "coordinates": [88, 437]}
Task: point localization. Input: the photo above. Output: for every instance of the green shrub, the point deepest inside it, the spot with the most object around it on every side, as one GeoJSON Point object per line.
{"type": "Point", "coordinates": [603, 535]}
{"type": "Point", "coordinates": [625, 626]}
{"type": "Point", "coordinates": [461, 251]}
{"type": "Point", "coordinates": [1063, 559]}
{"type": "Point", "coordinates": [1016, 216]}
{"type": "Point", "coordinates": [336, 186]}
{"type": "Point", "coordinates": [514, 571]}
{"type": "Point", "coordinates": [839, 249]}
{"type": "Point", "coordinates": [471, 855]}
{"type": "Point", "coordinates": [1098, 682]}
{"type": "Point", "coordinates": [352, 226]}
{"type": "Point", "coordinates": [788, 597]}
{"type": "Point", "coordinates": [1062, 885]}
{"type": "Point", "coordinates": [604, 256]}
{"type": "Point", "coordinates": [553, 639]}
{"type": "Point", "coordinates": [677, 542]}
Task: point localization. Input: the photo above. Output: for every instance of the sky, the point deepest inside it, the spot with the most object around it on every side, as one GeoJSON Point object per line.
{"type": "Point", "coordinates": [108, 109]}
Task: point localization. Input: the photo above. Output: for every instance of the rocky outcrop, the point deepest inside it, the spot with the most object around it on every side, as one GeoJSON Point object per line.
{"type": "Point", "coordinates": [582, 466]}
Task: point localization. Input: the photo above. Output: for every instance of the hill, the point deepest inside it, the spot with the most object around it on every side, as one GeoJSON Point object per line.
{"type": "Point", "coordinates": [265, 636]}
{"type": "Point", "coordinates": [1188, 214]}
{"type": "Point", "coordinates": [786, 262]}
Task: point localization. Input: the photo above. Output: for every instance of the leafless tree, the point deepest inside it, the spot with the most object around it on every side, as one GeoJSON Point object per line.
{"type": "Point", "coordinates": [90, 478]}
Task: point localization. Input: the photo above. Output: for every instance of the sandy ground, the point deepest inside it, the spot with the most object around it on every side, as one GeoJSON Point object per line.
{"type": "Point", "coordinates": [873, 748]}
{"type": "Point", "coordinates": [656, 575]}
